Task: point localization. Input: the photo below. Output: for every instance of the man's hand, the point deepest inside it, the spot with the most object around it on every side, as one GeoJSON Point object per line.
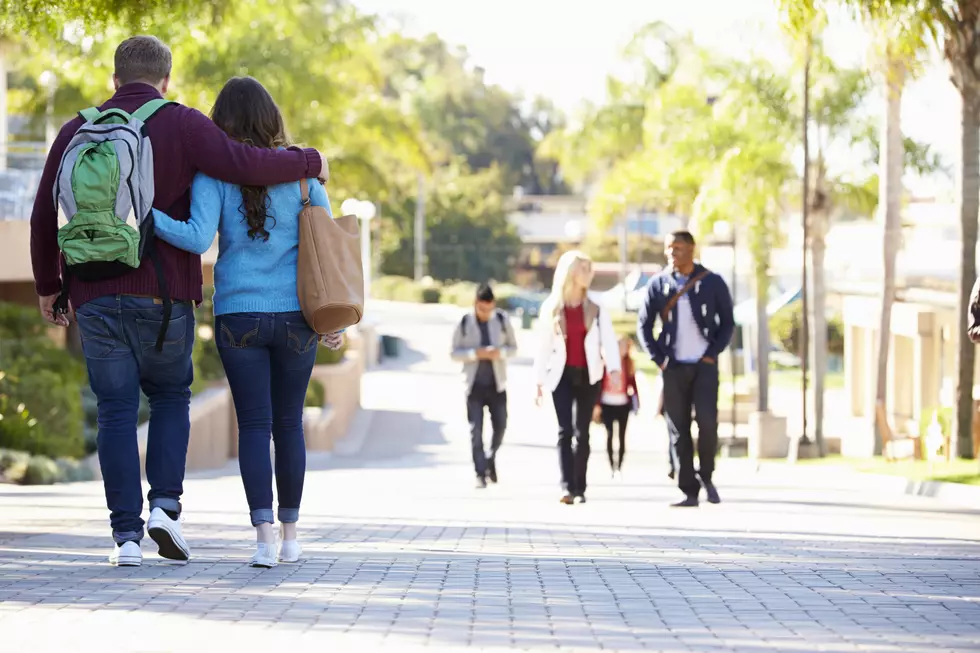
{"type": "Point", "coordinates": [47, 310]}
{"type": "Point", "coordinates": [488, 354]}
{"type": "Point", "coordinates": [708, 359]}
{"type": "Point", "coordinates": [324, 169]}
{"type": "Point", "coordinates": [663, 366]}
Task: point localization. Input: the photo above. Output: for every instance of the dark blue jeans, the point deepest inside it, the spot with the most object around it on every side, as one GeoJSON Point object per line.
{"type": "Point", "coordinates": [119, 335]}
{"type": "Point", "coordinates": [478, 399]}
{"type": "Point", "coordinates": [574, 399]}
{"type": "Point", "coordinates": [269, 358]}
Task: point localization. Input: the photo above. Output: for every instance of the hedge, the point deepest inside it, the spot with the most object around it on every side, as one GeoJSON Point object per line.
{"type": "Point", "coordinates": [40, 402]}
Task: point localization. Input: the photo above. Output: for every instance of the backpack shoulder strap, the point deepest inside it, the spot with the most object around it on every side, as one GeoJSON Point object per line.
{"type": "Point", "coordinates": [148, 110]}
{"type": "Point", "coordinates": [462, 324]}
{"type": "Point", "coordinates": [90, 114]}
{"type": "Point", "coordinates": [502, 319]}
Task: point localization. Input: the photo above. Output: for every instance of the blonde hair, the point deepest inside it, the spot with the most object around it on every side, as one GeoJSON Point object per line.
{"type": "Point", "coordinates": [563, 285]}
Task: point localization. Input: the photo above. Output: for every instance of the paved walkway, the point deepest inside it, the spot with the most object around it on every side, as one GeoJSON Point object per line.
{"type": "Point", "coordinates": [402, 552]}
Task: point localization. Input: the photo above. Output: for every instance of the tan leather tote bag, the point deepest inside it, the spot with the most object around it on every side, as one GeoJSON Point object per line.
{"type": "Point", "coordinates": [329, 276]}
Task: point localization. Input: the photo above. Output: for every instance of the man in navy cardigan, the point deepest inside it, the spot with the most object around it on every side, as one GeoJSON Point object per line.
{"type": "Point", "coordinates": [697, 320]}
{"type": "Point", "coordinates": [124, 315]}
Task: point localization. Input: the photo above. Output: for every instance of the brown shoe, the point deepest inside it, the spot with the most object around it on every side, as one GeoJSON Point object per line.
{"type": "Point", "coordinates": [567, 499]}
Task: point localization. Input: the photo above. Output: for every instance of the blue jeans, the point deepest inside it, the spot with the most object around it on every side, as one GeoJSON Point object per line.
{"type": "Point", "coordinates": [119, 336]}
{"type": "Point", "coordinates": [268, 358]}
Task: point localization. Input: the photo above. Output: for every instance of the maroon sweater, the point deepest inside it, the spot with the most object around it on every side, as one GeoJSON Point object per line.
{"type": "Point", "coordinates": [184, 142]}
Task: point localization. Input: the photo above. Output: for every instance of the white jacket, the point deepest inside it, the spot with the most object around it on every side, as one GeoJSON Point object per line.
{"type": "Point", "coordinates": [601, 346]}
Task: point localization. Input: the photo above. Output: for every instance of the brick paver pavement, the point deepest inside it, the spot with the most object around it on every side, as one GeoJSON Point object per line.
{"type": "Point", "coordinates": [402, 552]}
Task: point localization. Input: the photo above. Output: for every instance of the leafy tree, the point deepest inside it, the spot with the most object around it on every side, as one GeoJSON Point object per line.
{"type": "Point", "coordinates": [468, 236]}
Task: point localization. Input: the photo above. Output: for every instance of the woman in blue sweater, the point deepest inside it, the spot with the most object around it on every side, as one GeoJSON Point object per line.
{"type": "Point", "coordinates": [266, 346]}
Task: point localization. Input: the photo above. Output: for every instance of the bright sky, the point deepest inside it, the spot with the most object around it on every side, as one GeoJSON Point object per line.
{"type": "Point", "coordinates": [563, 49]}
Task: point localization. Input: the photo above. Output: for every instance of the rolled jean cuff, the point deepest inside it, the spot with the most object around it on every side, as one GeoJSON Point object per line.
{"type": "Point", "coordinates": [121, 537]}
{"type": "Point", "coordinates": [263, 516]}
{"type": "Point", "coordinates": [288, 515]}
{"type": "Point", "coordinates": [173, 505]}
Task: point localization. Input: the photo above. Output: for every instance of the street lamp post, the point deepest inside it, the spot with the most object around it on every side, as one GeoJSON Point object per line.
{"type": "Point", "coordinates": [365, 212]}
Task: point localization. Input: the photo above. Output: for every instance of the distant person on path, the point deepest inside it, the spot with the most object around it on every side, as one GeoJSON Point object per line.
{"type": "Point", "coordinates": [134, 296]}
{"type": "Point", "coordinates": [266, 347]}
{"type": "Point", "coordinates": [577, 345]}
{"type": "Point", "coordinates": [483, 340]}
{"type": "Point", "coordinates": [616, 403]}
{"type": "Point", "coordinates": [695, 310]}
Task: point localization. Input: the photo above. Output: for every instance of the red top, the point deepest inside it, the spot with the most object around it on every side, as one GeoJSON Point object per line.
{"type": "Point", "coordinates": [184, 143]}
{"type": "Point", "coordinates": [575, 337]}
{"type": "Point", "coordinates": [627, 380]}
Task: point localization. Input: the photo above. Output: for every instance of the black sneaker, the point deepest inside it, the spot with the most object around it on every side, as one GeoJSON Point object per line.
{"type": "Point", "coordinates": [580, 499]}
{"type": "Point", "coordinates": [712, 492]}
{"type": "Point", "coordinates": [481, 483]}
{"type": "Point", "coordinates": [688, 502]}
{"type": "Point", "coordinates": [492, 470]}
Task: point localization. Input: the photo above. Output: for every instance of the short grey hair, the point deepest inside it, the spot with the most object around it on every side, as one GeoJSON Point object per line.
{"type": "Point", "coordinates": [143, 59]}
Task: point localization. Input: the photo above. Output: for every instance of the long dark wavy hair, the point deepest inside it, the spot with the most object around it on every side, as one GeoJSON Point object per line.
{"type": "Point", "coordinates": [246, 112]}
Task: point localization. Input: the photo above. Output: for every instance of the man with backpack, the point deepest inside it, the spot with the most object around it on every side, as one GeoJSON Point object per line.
{"type": "Point", "coordinates": [697, 321]}
{"type": "Point", "coordinates": [482, 341]}
{"type": "Point", "coordinates": [134, 296]}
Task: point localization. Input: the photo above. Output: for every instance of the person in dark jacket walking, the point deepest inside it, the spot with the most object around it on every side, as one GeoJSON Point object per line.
{"type": "Point", "coordinates": [697, 321]}
{"type": "Point", "coordinates": [120, 318]}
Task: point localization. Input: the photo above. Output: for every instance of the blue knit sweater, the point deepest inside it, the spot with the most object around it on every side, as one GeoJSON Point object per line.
{"type": "Point", "coordinates": [251, 276]}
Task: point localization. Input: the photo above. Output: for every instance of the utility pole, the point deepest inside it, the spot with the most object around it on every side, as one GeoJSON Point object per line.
{"type": "Point", "coordinates": [420, 230]}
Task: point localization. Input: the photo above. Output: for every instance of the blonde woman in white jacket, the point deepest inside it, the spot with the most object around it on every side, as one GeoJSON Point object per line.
{"type": "Point", "coordinates": [576, 344]}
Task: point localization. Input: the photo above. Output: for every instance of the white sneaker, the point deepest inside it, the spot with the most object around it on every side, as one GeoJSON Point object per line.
{"type": "Point", "coordinates": [128, 554]}
{"type": "Point", "coordinates": [265, 555]}
{"type": "Point", "coordinates": [290, 551]}
{"type": "Point", "coordinates": [166, 532]}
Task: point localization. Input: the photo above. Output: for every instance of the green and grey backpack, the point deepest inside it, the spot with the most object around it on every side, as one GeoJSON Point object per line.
{"type": "Point", "coordinates": [105, 190]}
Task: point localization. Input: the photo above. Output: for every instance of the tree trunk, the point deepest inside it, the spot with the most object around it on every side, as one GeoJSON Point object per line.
{"type": "Point", "coordinates": [969, 198]}
{"type": "Point", "coordinates": [818, 304]}
{"type": "Point", "coordinates": [762, 333]}
{"type": "Point", "coordinates": [889, 204]}
{"type": "Point", "coordinates": [3, 105]}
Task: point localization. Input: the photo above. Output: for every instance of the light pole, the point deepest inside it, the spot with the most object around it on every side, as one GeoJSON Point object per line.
{"type": "Point", "coordinates": [365, 212]}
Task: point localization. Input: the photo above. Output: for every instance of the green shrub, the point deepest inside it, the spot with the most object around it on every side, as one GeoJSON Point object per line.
{"type": "Point", "coordinates": [40, 399]}
{"type": "Point", "coordinates": [41, 470]}
{"type": "Point", "coordinates": [327, 356]}
{"type": "Point", "coordinates": [73, 471]}
{"type": "Point", "coordinates": [786, 328]}
{"type": "Point", "coordinates": [13, 464]}
{"type": "Point", "coordinates": [943, 415]}
{"type": "Point", "coordinates": [316, 395]}
{"type": "Point", "coordinates": [431, 295]}
{"type": "Point", "coordinates": [459, 293]}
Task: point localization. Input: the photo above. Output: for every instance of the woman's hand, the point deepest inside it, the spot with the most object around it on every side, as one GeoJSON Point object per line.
{"type": "Point", "coordinates": [540, 395]}
{"type": "Point", "coordinates": [333, 340]}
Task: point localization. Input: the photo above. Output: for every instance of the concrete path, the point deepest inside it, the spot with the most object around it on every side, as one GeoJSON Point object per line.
{"type": "Point", "coordinates": [402, 552]}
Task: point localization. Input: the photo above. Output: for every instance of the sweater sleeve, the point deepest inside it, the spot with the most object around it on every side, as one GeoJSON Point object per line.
{"type": "Point", "coordinates": [45, 253]}
{"type": "Point", "coordinates": [318, 195]}
{"type": "Point", "coordinates": [197, 234]}
{"type": "Point", "coordinates": [212, 152]}
{"type": "Point", "coordinates": [726, 318]}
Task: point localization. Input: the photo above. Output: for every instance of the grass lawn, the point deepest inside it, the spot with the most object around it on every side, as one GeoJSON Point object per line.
{"type": "Point", "coordinates": [956, 471]}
